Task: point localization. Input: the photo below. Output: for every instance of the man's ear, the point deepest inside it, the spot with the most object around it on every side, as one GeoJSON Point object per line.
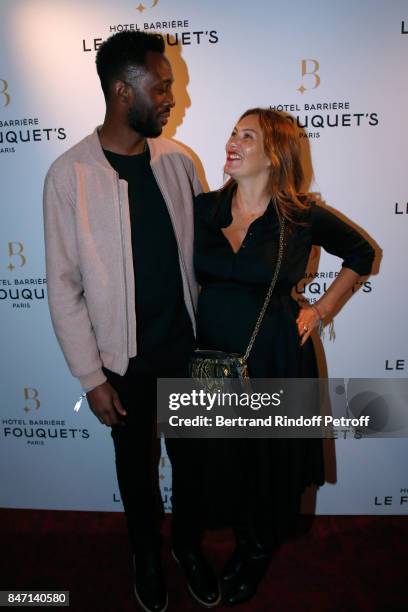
{"type": "Point", "coordinates": [121, 90]}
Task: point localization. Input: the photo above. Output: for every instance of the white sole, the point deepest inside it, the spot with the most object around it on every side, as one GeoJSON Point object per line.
{"type": "Point", "coordinates": [141, 604]}
{"type": "Point", "coordinates": [200, 601]}
{"type": "Point", "coordinates": [139, 601]}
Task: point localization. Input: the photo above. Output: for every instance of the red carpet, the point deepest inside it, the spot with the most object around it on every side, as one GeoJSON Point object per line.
{"type": "Point", "coordinates": [334, 564]}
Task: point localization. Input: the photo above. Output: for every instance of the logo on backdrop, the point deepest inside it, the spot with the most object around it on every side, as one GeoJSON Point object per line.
{"type": "Point", "coordinates": [309, 68]}
{"type": "Point", "coordinates": [395, 364]}
{"type": "Point", "coordinates": [175, 32]}
{"type": "Point", "coordinates": [313, 285]}
{"type": "Point", "coordinates": [401, 208]}
{"type": "Point", "coordinates": [165, 482]}
{"type": "Point", "coordinates": [26, 130]}
{"type": "Point", "coordinates": [15, 251]}
{"type": "Point", "coordinates": [316, 118]}
{"type": "Point", "coordinates": [400, 499]}
{"type": "Point", "coordinates": [142, 7]}
{"type": "Point", "coordinates": [19, 293]}
{"type": "Point", "coordinates": [165, 485]}
{"type": "Point", "coordinates": [31, 398]}
{"type": "Point", "coordinates": [404, 28]}
{"type": "Point", "coordinates": [4, 92]}
{"type": "Point", "coordinates": [321, 117]}
{"type": "Point", "coordinates": [33, 429]}
{"type": "Point", "coordinates": [166, 493]}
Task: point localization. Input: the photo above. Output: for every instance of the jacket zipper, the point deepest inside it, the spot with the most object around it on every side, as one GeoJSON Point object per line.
{"type": "Point", "coordinates": [126, 331]}
{"type": "Point", "coordinates": [169, 209]}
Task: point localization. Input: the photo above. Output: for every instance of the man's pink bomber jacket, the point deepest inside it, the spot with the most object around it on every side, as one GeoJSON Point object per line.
{"type": "Point", "coordinates": [89, 261]}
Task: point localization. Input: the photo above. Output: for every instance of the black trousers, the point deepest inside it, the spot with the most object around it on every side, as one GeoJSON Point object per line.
{"type": "Point", "coordinates": [137, 454]}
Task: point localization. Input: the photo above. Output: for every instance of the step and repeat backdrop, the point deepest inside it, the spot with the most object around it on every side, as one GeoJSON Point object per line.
{"type": "Point", "coordinates": [340, 70]}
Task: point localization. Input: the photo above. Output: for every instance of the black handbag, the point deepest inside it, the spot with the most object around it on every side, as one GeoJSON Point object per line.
{"type": "Point", "coordinates": [208, 364]}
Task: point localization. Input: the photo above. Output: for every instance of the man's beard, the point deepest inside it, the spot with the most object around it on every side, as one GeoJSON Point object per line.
{"type": "Point", "coordinates": [144, 122]}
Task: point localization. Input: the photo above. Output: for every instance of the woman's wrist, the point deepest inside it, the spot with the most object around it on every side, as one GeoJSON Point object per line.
{"type": "Point", "coordinates": [321, 309]}
{"type": "Point", "coordinates": [318, 311]}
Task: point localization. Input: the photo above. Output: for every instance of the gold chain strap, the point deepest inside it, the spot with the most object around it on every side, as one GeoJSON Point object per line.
{"type": "Point", "coordinates": [270, 290]}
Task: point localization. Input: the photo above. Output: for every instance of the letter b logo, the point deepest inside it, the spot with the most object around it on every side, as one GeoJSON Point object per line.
{"type": "Point", "coordinates": [15, 250]}
{"type": "Point", "coordinates": [309, 68]}
{"type": "Point", "coordinates": [4, 92]}
{"type": "Point", "coordinates": [31, 396]}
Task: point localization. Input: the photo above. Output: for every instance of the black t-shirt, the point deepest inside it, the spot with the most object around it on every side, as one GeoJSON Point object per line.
{"type": "Point", "coordinates": [162, 317]}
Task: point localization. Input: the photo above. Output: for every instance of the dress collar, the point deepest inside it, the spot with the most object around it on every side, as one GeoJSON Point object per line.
{"type": "Point", "coordinates": [223, 214]}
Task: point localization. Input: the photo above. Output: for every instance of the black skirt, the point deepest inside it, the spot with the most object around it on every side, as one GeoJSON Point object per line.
{"type": "Point", "coordinates": [249, 481]}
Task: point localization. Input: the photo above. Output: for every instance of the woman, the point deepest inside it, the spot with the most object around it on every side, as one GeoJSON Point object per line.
{"type": "Point", "coordinates": [256, 484]}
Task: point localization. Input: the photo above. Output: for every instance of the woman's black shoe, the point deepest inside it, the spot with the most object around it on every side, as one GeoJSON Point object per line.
{"type": "Point", "coordinates": [243, 584]}
{"type": "Point", "coordinates": [233, 565]}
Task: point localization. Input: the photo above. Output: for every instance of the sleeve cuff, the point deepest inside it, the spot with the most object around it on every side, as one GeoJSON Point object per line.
{"type": "Point", "coordinates": [90, 381]}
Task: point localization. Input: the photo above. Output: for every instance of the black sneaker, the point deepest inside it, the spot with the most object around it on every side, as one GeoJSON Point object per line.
{"type": "Point", "coordinates": [201, 579]}
{"type": "Point", "coordinates": [149, 586]}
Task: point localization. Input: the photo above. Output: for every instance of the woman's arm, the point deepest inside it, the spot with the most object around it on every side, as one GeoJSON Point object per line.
{"type": "Point", "coordinates": [310, 316]}
{"type": "Point", "coordinates": [342, 240]}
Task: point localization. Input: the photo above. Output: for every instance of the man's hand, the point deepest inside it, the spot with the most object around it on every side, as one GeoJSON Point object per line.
{"type": "Point", "coordinates": [105, 404]}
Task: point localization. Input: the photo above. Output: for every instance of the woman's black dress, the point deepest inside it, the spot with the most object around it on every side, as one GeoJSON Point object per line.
{"type": "Point", "coordinates": [261, 480]}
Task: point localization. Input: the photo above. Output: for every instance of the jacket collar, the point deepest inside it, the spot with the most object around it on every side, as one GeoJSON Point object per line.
{"type": "Point", "coordinates": [95, 148]}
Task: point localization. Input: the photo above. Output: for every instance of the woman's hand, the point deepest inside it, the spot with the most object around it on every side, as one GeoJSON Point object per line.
{"type": "Point", "coordinates": [307, 320]}
{"type": "Point", "coordinates": [310, 316]}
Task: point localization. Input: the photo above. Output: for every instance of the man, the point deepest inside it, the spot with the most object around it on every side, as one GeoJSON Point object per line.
{"type": "Point", "coordinates": [118, 229]}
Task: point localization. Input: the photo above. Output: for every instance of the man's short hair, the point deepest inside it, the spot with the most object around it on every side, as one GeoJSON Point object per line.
{"type": "Point", "coordinates": [122, 50]}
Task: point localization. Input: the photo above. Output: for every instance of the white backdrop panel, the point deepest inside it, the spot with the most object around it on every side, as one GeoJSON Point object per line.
{"type": "Point", "coordinates": [230, 56]}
